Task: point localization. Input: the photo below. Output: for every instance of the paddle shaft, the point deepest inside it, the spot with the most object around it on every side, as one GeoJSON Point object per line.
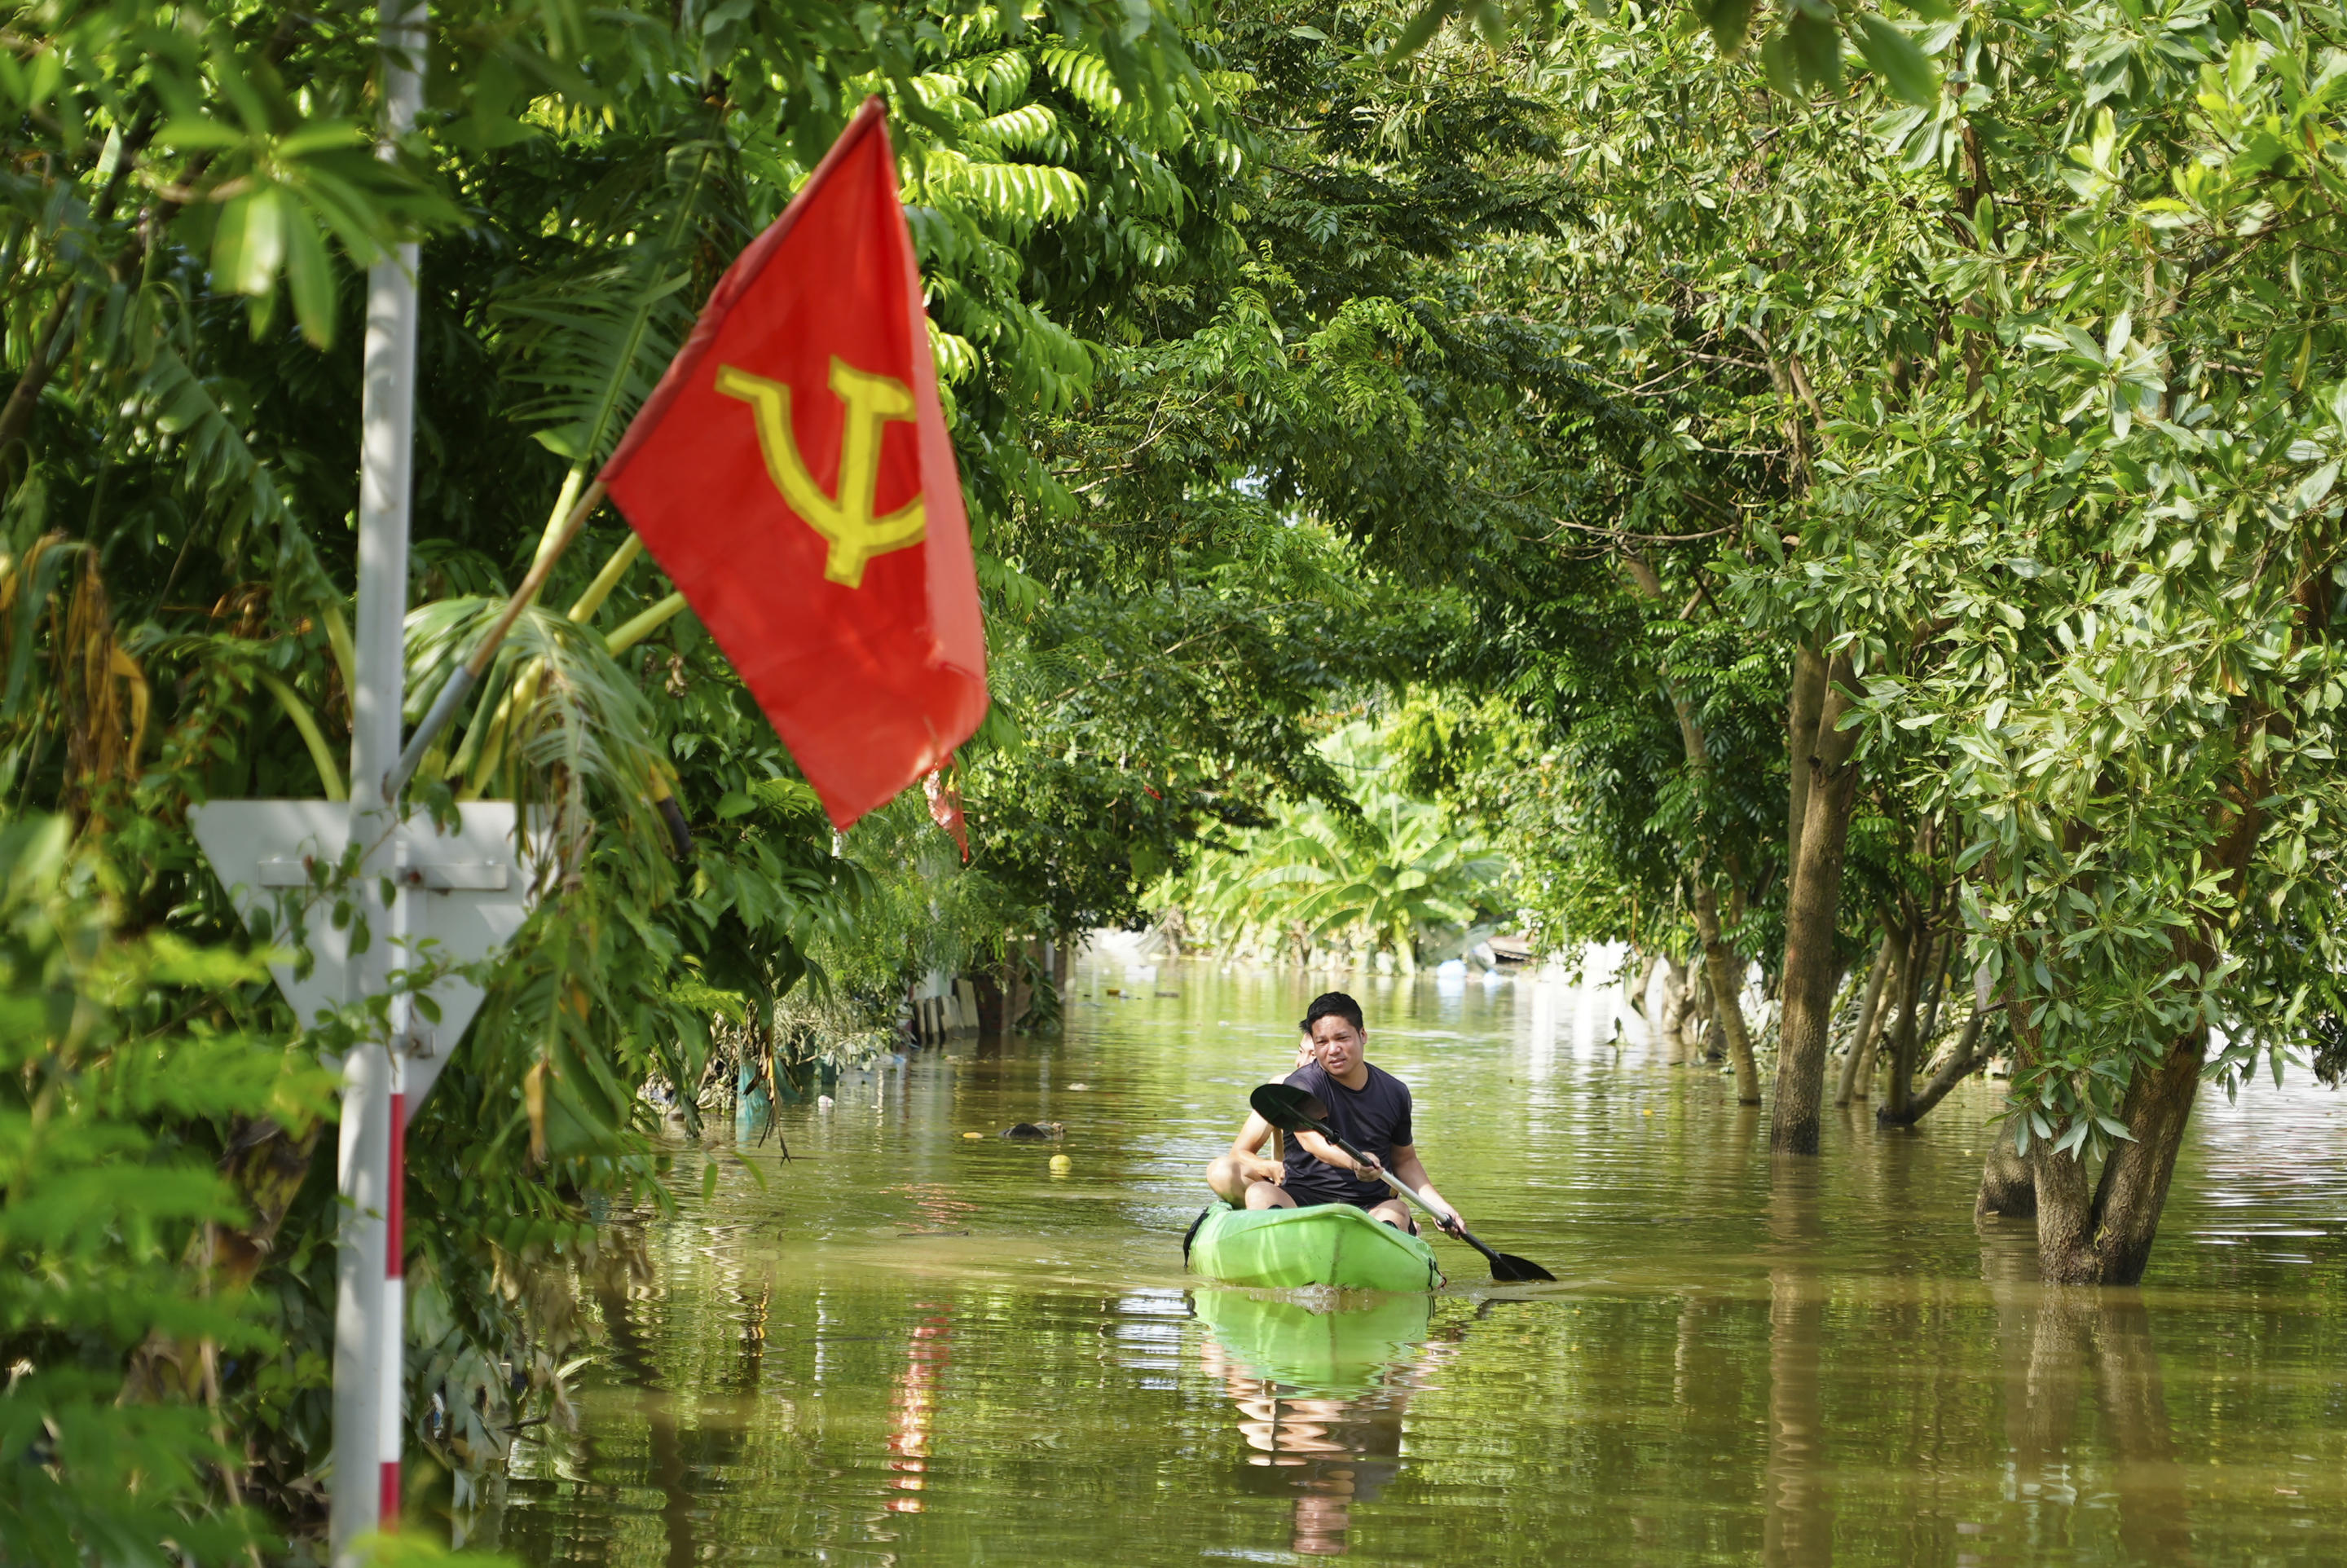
{"type": "Point", "coordinates": [1442, 1215]}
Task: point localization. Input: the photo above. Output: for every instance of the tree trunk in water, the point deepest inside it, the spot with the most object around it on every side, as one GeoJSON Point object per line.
{"type": "Point", "coordinates": [1639, 994]}
{"type": "Point", "coordinates": [1725, 970]}
{"type": "Point", "coordinates": [2133, 1187]}
{"type": "Point", "coordinates": [2008, 1187]}
{"type": "Point", "coordinates": [1962, 1063]}
{"type": "Point", "coordinates": [1869, 1049]}
{"type": "Point", "coordinates": [2065, 1216]}
{"type": "Point", "coordinates": [1678, 1008]}
{"type": "Point", "coordinates": [1862, 1036]}
{"type": "Point", "coordinates": [1812, 907]}
{"type": "Point", "coordinates": [2106, 1239]}
{"type": "Point", "coordinates": [1902, 1026]}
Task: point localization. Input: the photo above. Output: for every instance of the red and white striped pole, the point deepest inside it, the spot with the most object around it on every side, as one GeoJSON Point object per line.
{"type": "Point", "coordinates": [391, 1366]}
{"type": "Point", "coordinates": [370, 1333]}
{"type": "Point", "coordinates": [394, 1366]}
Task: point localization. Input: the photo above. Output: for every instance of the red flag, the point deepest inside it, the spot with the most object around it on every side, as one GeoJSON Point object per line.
{"type": "Point", "coordinates": [792, 474]}
{"type": "Point", "coordinates": [945, 808]}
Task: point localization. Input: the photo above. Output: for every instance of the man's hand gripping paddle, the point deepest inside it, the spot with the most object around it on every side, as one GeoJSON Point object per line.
{"type": "Point", "coordinates": [1291, 1109]}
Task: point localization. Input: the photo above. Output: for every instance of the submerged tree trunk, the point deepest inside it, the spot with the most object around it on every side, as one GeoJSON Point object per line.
{"type": "Point", "coordinates": [1679, 1012]}
{"type": "Point", "coordinates": [1813, 905]}
{"type": "Point", "coordinates": [2104, 1238]}
{"type": "Point", "coordinates": [1861, 1038]}
{"type": "Point", "coordinates": [1639, 995]}
{"type": "Point", "coordinates": [2008, 1186]}
{"type": "Point", "coordinates": [1901, 1089]}
{"type": "Point", "coordinates": [1724, 970]}
{"type": "Point", "coordinates": [1961, 1064]}
{"type": "Point", "coordinates": [1869, 1049]}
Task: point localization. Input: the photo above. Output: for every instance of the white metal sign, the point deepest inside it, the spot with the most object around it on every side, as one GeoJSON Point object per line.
{"type": "Point", "coordinates": [468, 891]}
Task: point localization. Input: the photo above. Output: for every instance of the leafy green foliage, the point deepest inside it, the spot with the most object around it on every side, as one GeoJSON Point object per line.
{"type": "Point", "coordinates": [1383, 877]}
{"type": "Point", "coordinates": [113, 1104]}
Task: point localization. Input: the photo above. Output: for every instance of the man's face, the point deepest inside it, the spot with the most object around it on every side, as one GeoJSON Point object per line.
{"type": "Point", "coordinates": [1338, 1044]}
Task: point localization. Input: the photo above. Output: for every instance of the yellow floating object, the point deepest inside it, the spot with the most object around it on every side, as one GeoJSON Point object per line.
{"type": "Point", "coordinates": [1062, 1164]}
{"type": "Point", "coordinates": [973, 1134]}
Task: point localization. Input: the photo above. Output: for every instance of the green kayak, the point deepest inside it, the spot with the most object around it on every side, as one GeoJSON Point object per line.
{"type": "Point", "coordinates": [1333, 1245]}
{"type": "Point", "coordinates": [1329, 1352]}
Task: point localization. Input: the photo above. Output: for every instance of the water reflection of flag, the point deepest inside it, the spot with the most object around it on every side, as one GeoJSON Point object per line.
{"type": "Point", "coordinates": [915, 1407]}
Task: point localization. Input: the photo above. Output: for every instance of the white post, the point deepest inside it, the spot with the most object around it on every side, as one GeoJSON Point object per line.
{"type": "Point", "coordinates": [369, 1322]}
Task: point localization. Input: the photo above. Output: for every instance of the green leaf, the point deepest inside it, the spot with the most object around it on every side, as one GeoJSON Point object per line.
{"type": "Point", "coordinates": [322, 136]}
{"type": "Point", "coordinates": [250, 244]}
{"type": "Point", "coordinates": [1817, 51]}
{"type": "Point", "coordinates": [2316, 487]}
{"type": "Point", "coordinates": [1730, 21]}
{"type": "Point", "coordinates": [193, 134]}
{"type": "Point", "coordinates": [1419, 29]}
{"type": "Point", "coordinates": [1905, 70]}
{"type": "Point", "coordinates": [1777, 61]}
{"type": "Point", "coordinates": [311, 272]}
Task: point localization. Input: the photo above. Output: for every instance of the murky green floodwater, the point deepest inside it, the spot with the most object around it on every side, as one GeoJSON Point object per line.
{"type": "Point", "coordinates": [907, 1346]}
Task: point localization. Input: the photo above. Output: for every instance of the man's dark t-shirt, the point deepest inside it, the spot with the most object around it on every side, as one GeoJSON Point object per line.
{"type": "Point", "coordinates": [1374, 1119]}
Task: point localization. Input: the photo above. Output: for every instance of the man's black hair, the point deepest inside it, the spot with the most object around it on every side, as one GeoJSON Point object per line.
{"type": "Point", "coordinates": [1334, 1004]}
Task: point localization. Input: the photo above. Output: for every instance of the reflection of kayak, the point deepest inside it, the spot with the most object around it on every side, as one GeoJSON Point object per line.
{"type": "Point", "coordinates": [1325, 1352]}
{"type": "Point", "coordinates": [1334, 1244]}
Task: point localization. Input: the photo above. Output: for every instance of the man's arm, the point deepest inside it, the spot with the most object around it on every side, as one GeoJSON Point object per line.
{"type": "Point", "coordinates": [1327, 1153]}
{"type": "Point", "coordinates": [1245, 1154]}
{"type": "Point", "coordinates": [1407, 1167]}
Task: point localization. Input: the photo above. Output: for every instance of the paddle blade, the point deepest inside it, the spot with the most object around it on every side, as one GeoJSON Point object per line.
{"type": "Point", "coordinates": [1509, 1269]}
{"type": "Point", "coordinates": [1288, 1108]}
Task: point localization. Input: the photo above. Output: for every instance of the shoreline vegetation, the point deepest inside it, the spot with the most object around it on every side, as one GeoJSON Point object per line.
{"type": "Point", "coordinates": [1840, 502]}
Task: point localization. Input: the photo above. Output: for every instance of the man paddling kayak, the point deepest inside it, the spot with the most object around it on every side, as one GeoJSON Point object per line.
{"type": "Point", "coordinates": [1368, 1108]}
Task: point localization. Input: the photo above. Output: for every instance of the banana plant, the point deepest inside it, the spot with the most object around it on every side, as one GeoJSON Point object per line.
{"type": "Point", "coordinates": [1381, 878]}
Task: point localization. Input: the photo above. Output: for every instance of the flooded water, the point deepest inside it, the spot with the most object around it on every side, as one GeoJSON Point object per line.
{"type": "Point", "coordinates": [908, 1346]}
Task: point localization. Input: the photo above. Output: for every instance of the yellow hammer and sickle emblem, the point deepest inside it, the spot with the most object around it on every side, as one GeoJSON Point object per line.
{"type": "Point", "coordinates": [846, 520]}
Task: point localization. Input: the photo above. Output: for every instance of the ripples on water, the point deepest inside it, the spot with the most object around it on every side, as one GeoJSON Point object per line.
{"type": "Point", "coordinates": [907, 1346]}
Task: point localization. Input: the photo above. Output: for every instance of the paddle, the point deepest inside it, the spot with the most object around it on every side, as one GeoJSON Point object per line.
{"type": "Point", "coordinates": [1291, 1109]}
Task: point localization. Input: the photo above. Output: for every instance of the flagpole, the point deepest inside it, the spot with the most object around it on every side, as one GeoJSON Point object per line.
{"type": "Point", "coordinates": [460, 684]}
{"type": "Point", "coordinates": [370, 1335]}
